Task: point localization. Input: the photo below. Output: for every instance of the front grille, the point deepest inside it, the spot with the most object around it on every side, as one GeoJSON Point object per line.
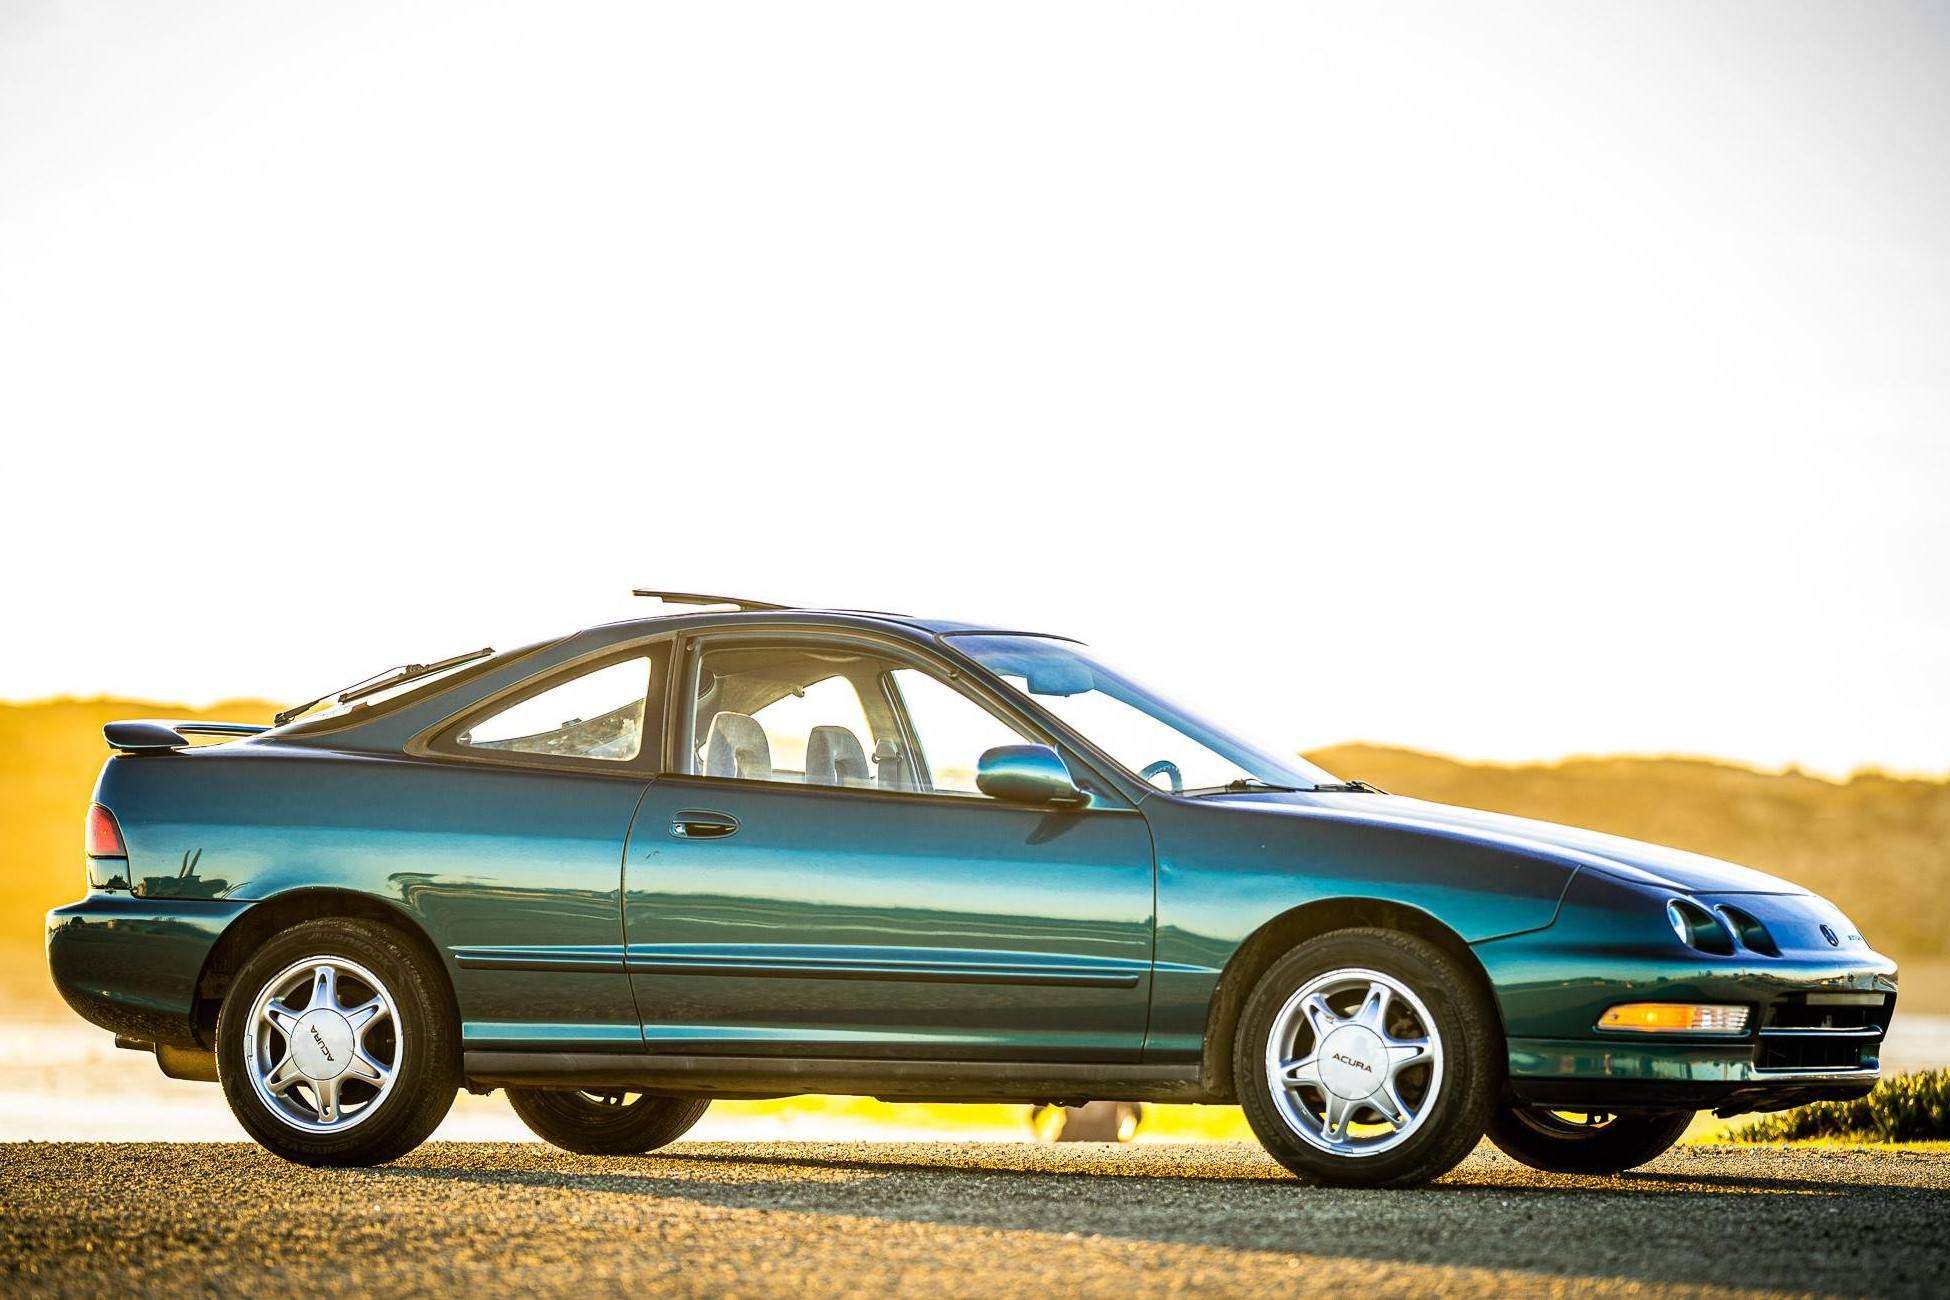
{"type": "Point", "coordinates": [1840, 1052]}
{"type": "Point", "coordinates": [1823, 1031]}
{"type": "Point", "coordinates": [1829, 1011]}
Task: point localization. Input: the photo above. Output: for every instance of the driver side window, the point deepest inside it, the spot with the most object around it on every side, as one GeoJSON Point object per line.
{"type": "Point", "coordinates": [834, 716]}
{"type": "Point", "coordinates": [951, 731]}
{"type": "Point", "coordinates": [795, 714]}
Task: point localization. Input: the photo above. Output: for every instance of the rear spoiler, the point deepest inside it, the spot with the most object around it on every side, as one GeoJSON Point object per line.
{"type": "Point", "coordinates": [153, 736]}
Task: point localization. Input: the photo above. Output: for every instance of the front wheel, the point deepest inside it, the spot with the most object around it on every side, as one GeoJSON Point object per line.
{"type": "Point", "coordinates": [606, 1122]}
{"type": "Point", "coordinates": [1570, 1142]}
{"type": "Point", "coordinates": [1367, 1058]}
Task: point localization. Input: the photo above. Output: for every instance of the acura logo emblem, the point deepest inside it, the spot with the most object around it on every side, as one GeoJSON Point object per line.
{"type": "Point", "coordinates": [1834, 940]}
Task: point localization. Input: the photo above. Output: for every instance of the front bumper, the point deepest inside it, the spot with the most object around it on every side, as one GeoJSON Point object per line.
{"type": "Point", "coordinates": [1581, 1074]}
{"type": "Point", "coordinates": [131, 965]}
{"type": "Point", "coordinates": [1818, 1010]}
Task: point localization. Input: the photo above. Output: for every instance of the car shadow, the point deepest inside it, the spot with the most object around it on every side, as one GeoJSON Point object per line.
{"type": "Point", "coordinates": [1650, 1227]}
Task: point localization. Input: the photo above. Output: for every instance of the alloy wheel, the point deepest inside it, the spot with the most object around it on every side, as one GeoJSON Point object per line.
{"type": "Point", "coordinates": [1354, 1062]}
{"type": "Point", "coordinates": [322, 1046]}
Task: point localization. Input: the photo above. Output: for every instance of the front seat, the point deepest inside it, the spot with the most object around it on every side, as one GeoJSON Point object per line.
{"type": "Point", "coordinates": [737, 747]}
{"type": "Point", "coordinates": [834, 757]}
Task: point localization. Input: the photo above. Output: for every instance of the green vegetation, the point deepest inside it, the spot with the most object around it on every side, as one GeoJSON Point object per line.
{"type": "Point", "coordinates": [1907, 1108]}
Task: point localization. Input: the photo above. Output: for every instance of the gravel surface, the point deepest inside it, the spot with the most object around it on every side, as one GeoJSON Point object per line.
{"type": "Point", "coordinates": [777, 1219]}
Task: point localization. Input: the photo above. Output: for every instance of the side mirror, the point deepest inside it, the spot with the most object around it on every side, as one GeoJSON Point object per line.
{"type": "Point", "coordinates": [1027, 774]}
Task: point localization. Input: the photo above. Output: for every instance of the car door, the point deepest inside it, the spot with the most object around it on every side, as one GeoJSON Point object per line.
{"type": "Point", "coordinates": [527, 804]}
{"type": "Point", "coordinates": [818, 876]}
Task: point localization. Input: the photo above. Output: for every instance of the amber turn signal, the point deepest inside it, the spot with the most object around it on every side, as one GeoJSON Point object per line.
{"type": "Point", "coordinates": [1675, 1018]}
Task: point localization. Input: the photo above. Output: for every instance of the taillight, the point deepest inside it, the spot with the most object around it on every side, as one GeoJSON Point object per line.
{"type": "Point", "coordinates": [104, 837]}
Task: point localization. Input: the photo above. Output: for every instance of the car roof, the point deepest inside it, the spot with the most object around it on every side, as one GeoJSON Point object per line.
{"type": "Point", "coordinates": [809, 617]}
{"type": "Point", "coordinates": [393, 727]}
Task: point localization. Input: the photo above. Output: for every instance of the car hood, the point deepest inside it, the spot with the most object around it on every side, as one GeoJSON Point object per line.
{"type": "Point", "coordinates": [1634, 860]}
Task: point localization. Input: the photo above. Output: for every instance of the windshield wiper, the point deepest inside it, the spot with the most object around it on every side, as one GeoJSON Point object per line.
{"type": "Point", "coordinates": [1348, 787]}
{"type": "Point", "coordinates": [1243, 785]}
{"type": "Point", "coordinates": [379, 681]}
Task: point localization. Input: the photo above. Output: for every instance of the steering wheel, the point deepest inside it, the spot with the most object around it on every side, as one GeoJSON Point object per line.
{"type": "Point", "coordinates": [1166, 767]}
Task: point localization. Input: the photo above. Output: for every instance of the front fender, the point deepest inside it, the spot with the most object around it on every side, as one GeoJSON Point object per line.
{"type": "Point", "coordinates": [1225, 871]}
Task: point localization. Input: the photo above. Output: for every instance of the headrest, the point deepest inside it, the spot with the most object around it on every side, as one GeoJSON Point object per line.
{"type": "Point", "coordinates": [738, 747]}
{"type": "Point", "coordinates": [834, 757]}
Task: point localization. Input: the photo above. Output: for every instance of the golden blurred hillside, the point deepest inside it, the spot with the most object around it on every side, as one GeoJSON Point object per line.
{"type": "Point", "coordinates": [1878, 846]}
{"type": "Point", "coordinates": [50, 752]}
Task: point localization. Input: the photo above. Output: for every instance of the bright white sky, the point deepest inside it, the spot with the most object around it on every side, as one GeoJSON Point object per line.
{"type": "Point", "coordinates": [1511, 383]}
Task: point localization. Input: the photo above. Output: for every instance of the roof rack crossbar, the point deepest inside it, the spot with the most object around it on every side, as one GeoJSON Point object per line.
{"type": "Point", "coordinates": [698, 598]}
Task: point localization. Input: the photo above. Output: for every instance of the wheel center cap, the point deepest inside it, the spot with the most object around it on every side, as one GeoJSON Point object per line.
{"type": "Point", "coordinates": [1353, 1062]}
{"type": "Point", "coordinates": [321, 1044]}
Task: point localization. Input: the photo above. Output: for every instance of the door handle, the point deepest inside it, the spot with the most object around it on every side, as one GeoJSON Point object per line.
{"type": "Point", "coordinates": [702, 824]}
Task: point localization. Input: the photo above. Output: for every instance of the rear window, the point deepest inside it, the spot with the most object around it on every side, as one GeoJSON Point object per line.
{"type": "Point", "coordinates": [335, 713]}
{"type": "Point", "coordinates": [594, 714]}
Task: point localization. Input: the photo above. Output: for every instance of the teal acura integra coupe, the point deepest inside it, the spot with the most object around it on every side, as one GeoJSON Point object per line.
{"type": "Point", "coordinates": [758, 851]}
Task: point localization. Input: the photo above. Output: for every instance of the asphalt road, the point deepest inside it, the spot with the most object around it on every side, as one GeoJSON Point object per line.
{"type": "Point", "coordinates": [779, 1220]}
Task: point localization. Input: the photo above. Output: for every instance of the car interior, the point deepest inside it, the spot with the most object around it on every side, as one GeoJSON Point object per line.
{"type": "Point", "coordinates": [819, 717]}
{"type": "Point", "coordinates": [824, 716]}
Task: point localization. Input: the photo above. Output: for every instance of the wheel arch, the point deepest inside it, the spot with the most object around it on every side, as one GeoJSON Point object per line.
{"type": "Point", "coordinates": [1287, 931]}
{"type": "Point", "coordinates": [280, 912]}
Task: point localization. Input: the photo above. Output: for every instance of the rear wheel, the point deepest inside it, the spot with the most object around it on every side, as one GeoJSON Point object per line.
{"type": "Point", "coordinates": [1574, 1142]}
{"type": "Point", "coordinates": [335, 1045]}
{"type": "Point", "coordinates": [1367, 1058]}
{"type": "Point", "coordinates": [608, 1122]}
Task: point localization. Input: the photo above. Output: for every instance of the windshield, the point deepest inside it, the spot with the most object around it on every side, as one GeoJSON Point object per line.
{"type": "Point", "coordinates": [1164, 744]}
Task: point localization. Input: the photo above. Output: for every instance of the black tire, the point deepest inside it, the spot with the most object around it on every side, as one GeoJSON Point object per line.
{"type": "Point", "coordinates": [1543, 1140]}
{"type": "Point", "coordinates": [606, 1122]}
{"type": "Point", "coordinates": [1451, 1116]}
{"type": "Point", "coordinates": [422, 1044]}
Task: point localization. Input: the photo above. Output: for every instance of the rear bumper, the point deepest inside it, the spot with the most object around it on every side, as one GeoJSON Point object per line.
{"type": "Point", "coordinates": [131, 965]}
